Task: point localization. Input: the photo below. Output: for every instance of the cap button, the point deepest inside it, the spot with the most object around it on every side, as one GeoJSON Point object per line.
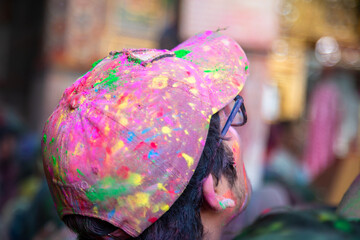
{"type": "Point", "coordinates": [73, 101]}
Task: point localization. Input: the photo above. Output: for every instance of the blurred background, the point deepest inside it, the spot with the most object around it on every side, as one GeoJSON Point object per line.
{"type": "Point", "coordinates": [302, 139]}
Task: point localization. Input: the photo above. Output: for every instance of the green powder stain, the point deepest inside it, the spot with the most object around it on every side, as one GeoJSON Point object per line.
{"type": "Point", "coordinates": [134, 60]}
{"type": "Point", "coordinates": [62, 180]}
{"type": "Point", "coordinates": [45, 138]}
{"type": "Point", "coordinates": [52, 140]}
{"type": "Point", "coordinates": [222, 205]}
{"type": "Point", "coordinates": [45, 148]}
{"type": "Point", "coordinates": [54, 160]}
{"type": "Point", "coordinates": [57, 149]}
{"type": "Point", "coordinates": [181, 53]}
{"type": "Point", "coordinates": [105, 189]}
{"type": "Point", "coordinates": [66, 152]}
{"type": "Point", "coordinates": [214, 70]}
{"type": "Point", "coordinates": [80, 173]}
{"type": "Point", "coordinates": [95, 63]}
{"type": "Point", "coordinates": [343, 225]}
{"type": "Point", "coordinates": [109, 81]}
{"type": "Point", "coordinates": [246, 67]}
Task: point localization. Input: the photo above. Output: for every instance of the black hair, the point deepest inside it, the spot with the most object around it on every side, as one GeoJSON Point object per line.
{"type": "Point", "coordinates": [182, 220]}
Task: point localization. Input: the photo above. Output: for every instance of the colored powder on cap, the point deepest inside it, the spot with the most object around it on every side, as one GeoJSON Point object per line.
{"type": "Point", "coordinates": [152, 220]}
{"type": "Point", "coordinates": [109, 81]}
{"type": "Point", "coordinates": [111, 214]}
{"type": "Point", "coordinates": [54, 160]}
{"type": "Point", "coordinates": [164, 207]}
{"type": "Point", "coordinates": [165, 130]}
{"type": "Point", "coordinates": [135, 179]}
{"type": "Point", "coordinates": [181, 53]}
{"type": "Point", "coordinates": [80, 173]}
{"type": "Point", "coordinates": [95, 63]}
{"type": "Point", "coordinates": [246, 67]}
{"type": "Point", "coordinates": [141, 199]}
{"type": "Point", "coordinates": [106, 188]}
{"type": "Point", "coordinates": [189, 160]}
{"type": "Point", "coordinates": [45, 138]}
{"type": "Point", "coordinates": [161, 187]}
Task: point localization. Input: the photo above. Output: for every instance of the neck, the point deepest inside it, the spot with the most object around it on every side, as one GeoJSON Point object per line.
{"type": "Point", "coordinates": [212, 225]}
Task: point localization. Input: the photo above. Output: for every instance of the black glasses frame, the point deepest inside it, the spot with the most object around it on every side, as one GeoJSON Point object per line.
{"type": "Point", "coordinates": [239, 107]}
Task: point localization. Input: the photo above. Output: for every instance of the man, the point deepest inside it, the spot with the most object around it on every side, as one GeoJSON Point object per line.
{"type": "Point", "coordinates": [142, 146]}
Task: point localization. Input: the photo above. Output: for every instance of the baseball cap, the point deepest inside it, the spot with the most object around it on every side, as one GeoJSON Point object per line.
{"type": "Point", "coordinates": [126, 137]}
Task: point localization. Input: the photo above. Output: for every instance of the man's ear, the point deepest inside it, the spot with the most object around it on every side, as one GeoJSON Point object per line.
{"type": "Point", "coordinates": [214, 200]}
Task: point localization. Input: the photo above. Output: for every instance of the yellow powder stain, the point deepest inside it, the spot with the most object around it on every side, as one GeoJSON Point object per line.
{"type": "Point", "coordinates": [155, 208]}
{"type": "Point", "coordinates": [194, 91]}
{"type": "Point", "coordinates": [161, 187]}
{"type": "Point", "coordinates": [159, 82]}
{"type": "Point", "coordinates": [123, 121]}
{"type": "Point", "coordinates": [192, 105]}
{"type": "Point", "coordinates": [126, 71]}
{"type": "Point", "coordinates": [140, 199]}
{"type": "Point", "coordinates": [240, 62]}
{"type": "Point", "coordinates": [135, 179]}
{"type": "Point", "coordinates": [186, 132]}
{"type": "Point", "coordinates": [107, 96]}
{"type": "Point", "coordinates": [164, 207]}
{"type": "Point", "coordinates": [95, 209]}
{"type": "Point", "coordinates": [176, 84]}
{"type": "Point", "coordinates": [107, 129]}
{"type": "Point", "coordinates": [117, 146]}
{"type": "Point", "coordinates": [106, 107]}
{"type": "Point", "coordinates": [214, 110]}
{"type": "Point", "coordinates": [190, 80]}
{"type": "Point", "coordinates": [177, 139]}
{"type": "Point", "coordinates": [78, 149]}
{"type": "Point", "coordinates": [189, 160]}
{"type": "Point", "coordinates": [60, 120]}
{"type": "Point", "coordinates": [165, 130]}
{"type": "Point", "coordinates": [217, 75]}
{"type": "Point", "coordinates": [200, 139]}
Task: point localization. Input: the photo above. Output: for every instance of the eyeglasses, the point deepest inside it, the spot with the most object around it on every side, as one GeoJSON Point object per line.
{"type": "Point", "coordinates": [238, 113]}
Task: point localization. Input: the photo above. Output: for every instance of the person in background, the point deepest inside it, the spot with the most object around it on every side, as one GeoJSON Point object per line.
{"type": "Point", "coordinates": [143, 146]}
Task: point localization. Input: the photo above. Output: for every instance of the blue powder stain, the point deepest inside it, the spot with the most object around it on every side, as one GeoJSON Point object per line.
{"type": "Point", "coordinates": [111, 214]}
{"type": "Point", "coordinates": [152, 154]}
{"type": "Point", "coordinates": [176, 191]}
{"type": "Point", "coordinates": [177, 129]}
{"type": "Point", "coordinates": [131, 136]}
{"type": "Point", "coordinates": [145, 130]}
{"type": "Point", "coordinates": [151, 138]}
{"type": "Point", "coordinates": [96, 90]}
{"type": "Point", "coordinates": [178, 151]}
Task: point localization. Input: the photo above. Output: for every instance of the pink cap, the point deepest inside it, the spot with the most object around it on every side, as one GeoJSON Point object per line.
{"type": "Point", "coordinates": [126, 137]}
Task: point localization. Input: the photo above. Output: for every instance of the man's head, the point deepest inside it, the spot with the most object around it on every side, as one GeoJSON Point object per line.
{"type": "Point", "coordinates": [127, 138]}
